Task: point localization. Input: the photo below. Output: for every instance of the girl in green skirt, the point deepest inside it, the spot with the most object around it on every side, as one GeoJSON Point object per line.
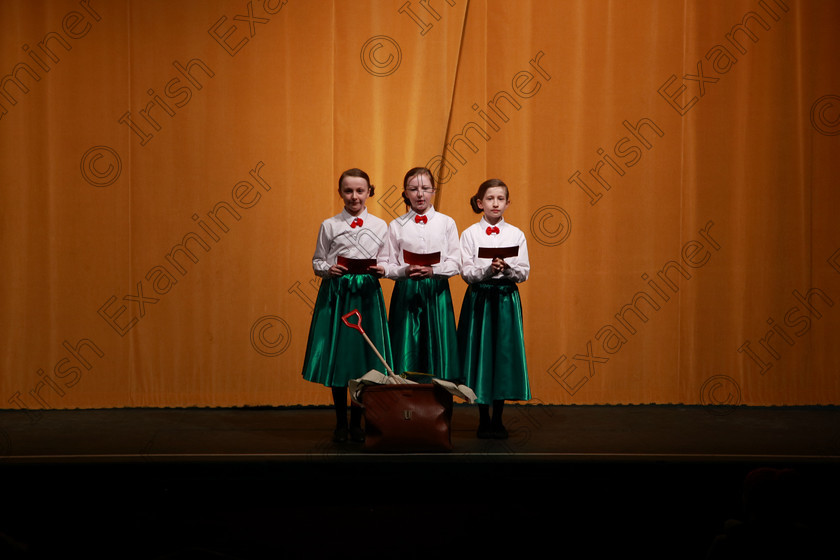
{"type": "Point", "coordinates": [423, 253]}
{"type": "Point", "coordinates": [494, 259]}
{"type": "Point", "coordinates": [346, 253]}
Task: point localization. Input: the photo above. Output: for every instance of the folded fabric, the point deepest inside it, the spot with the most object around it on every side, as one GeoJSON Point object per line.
{"type": "Point", "coordinates": [374, 377]}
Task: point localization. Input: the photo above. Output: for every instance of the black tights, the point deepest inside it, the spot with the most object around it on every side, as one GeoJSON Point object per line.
{"type": "Point", "coordinates": [339, 395]}
{"type": "Point", "coordinates": [484, 414]}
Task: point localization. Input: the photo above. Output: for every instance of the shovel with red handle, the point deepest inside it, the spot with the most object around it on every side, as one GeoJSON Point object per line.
{"type": "Point", "coordinates": [358, 327]}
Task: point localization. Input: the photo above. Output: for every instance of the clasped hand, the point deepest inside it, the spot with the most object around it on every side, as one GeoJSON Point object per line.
{"type": "Point", "coordinates": [417, 271]}
{"type": "Point", "coordinates": [499, 265]}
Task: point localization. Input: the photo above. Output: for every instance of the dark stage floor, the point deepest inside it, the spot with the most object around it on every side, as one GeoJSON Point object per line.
{"type": "Point", "coordinates": [571, 481]}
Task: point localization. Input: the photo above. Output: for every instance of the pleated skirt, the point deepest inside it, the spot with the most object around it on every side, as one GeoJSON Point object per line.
{"type": "Point", "coordinates": [336, 353]}
{"type": "Point", "coordinates": [422, 327]}
{"type": "Point", "coordinates": [491, 343]}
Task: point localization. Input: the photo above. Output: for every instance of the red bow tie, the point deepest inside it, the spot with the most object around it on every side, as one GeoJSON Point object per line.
{"type": "Point", "coordinates": [421, 219]}
{"type": "Point", "coordinates": [493, 229]}
{"type": "Point", "coordinates": [357, 222]}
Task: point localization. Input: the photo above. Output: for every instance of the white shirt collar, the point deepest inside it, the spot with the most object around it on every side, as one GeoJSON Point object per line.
{"type": "Point", "coordinates": [485, 224]}
{"type": "Point", "coordinates": [348, 217]}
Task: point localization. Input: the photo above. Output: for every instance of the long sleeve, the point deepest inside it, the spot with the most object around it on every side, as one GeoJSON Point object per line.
{"type": "Point", "coordinates": [322, 249]}
{"type": "Point", "coordinates": [337, 237]}
{"type": "Point", "coordinates": [475, 269]}
{"type": "Point", "coordinates": [520, 265]}
{"type": "Point", "coordinates": [450, 254]}
{"type": "Point", "coordinates": [395, 268]}
{"type": "Point", "coordinates": [438, 234]}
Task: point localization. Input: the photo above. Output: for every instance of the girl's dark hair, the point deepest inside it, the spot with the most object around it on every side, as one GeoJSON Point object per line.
{"type": "Point", "coordinates": [356, 172]}
{"type": "Point", "coordinates": [413, 172]}
{"type": "Point", "coordinates": [482, 190]}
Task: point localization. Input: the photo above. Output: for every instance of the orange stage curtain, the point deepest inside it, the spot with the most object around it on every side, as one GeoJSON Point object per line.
{"type": "Point", "coordinates": [166, 165]}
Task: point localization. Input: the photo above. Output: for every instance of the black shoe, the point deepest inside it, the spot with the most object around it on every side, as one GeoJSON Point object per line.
{"type": "Point", "coordinates": [340, 435]}
{"type": "Point", "coordinates": [499, 432]}
{"type": "Point", "coordinates": [357, 435]}
{"type": "Point", "coordinates": [484, 432]}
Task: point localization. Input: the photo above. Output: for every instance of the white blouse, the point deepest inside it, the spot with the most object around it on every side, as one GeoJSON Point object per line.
{"type": "Point", "coordinates": [337, 238]}
{"type": "Point", "coordinates": [439, 233]}
{"type": "Point", "coordinates": [475, 269]}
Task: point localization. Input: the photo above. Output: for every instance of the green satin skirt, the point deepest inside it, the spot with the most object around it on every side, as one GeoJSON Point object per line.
{"type": "Point", "coordinates": [491, 342]}
{"type": "Point", "coordinates": [422, 326]}
{"type": "Point", "coordinates": [336, 353]}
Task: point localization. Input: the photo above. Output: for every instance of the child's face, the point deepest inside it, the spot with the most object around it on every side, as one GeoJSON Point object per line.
{"type": "Point", "coordinates": [494, 204]}
{"type": "Point", "coordinates": [419, 192]}
{"type": "Point", "coordinates": [355, 192]}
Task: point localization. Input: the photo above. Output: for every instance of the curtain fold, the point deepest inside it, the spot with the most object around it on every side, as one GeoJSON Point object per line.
{"type": "Point", "coordinates": [165, 168]}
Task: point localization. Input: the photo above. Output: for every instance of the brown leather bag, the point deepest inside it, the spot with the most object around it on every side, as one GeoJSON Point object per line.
{"type": "Point", "coordinates": [407, 418]}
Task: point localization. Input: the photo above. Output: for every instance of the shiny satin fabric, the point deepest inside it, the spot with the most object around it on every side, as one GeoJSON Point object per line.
{"type": "Point", "coordinates": [422, 327]}
{"type": "Point", "coordinates": [492, 343]}
{"type": "Point", "coordinates": [336, 353]}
